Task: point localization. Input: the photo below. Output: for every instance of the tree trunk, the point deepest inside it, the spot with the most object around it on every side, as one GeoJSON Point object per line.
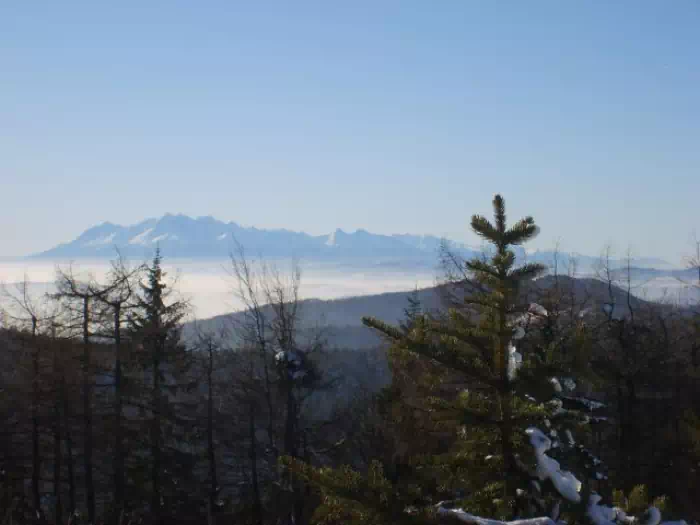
{"type": "Point", "coordinates": [69, 449]}
{"type": "Point", "coordinates": [210, 435]}
{"type": "Point", "coordinates": [507, 446]}
{"type": "Point", "coordinates": [118, 440]}
{"type": "Point", "coordinates": [36, 459]}
{"type": "Point", "coordinates": [257, 505]}
{"type": "Point", "coordinates": [290, 446]}
{"type": "Point", "coordinates": [268, 399]}
{"type": "Point", "coordinates": [506, 407]}
{"type": "Point", "coordinates": [155, 443]}
{"type": "Point", "coordinates": [58, 503]}
{"type": "Point", "coordinates": [87, 413]}
{"type": "Point", "coordinates": [622, 464]}
{"type": "Point", "coordinates": [290, 423]}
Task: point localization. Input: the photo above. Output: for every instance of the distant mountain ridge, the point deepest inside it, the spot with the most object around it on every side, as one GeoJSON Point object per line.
{"type": "Point", "coordinates": [183, 236]}
{"type": "Point", "coordinates": [180, 236]}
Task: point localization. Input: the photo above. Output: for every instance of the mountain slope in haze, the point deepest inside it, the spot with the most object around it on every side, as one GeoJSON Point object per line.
{"type": "Point", "coordinates": [180, 236]}
{"type": "Point", "coordinates": [341, 319]}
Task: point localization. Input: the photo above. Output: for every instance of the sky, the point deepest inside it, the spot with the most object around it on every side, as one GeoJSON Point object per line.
{"type": "Point", "coordinates": [392, 116]}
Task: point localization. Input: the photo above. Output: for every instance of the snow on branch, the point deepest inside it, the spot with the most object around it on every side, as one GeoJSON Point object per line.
{"type": "Point", "coordinates": [465, 517]}
{"type": "Point", "coordinates": [564, 481]}
{"type": "Point", "coordinates": [569, 488]}
{"type": "Point", "coordinates": [604, 515]}
{"type": "Point", "coordinates": [534, 314]}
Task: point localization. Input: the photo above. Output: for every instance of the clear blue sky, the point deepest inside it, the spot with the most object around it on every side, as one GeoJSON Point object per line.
{"type": "Point", "coordinates": [393, 116]}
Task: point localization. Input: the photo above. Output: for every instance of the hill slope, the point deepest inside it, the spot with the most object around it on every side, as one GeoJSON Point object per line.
{"type": "Point", "coordinates": [342, 318]}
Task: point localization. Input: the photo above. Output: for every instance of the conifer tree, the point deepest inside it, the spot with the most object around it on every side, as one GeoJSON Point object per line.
{"type": "Point", "coordinates": [497, 462]}
{"type": "Point", "coordinates": [156, 326]}
{"type": "Point", "coordinates": [474, 343]}
{"type": "Point", "coordinates": [412, 311]}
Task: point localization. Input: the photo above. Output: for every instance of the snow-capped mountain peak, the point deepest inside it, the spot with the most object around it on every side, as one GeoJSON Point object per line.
{"type": "Point", "coordinates": [141, 238]}
{"type": "Point", "coordinates": [178, 235]}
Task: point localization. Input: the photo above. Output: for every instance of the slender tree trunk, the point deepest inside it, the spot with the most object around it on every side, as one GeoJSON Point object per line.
{"type": "Point", "coordinates": [305, 489]}
{"type": "Point", "coordinates": [155, 442]}
{"type": "Point", "coordinates": [257, 505]}
{"type": "Point", "coordinates": [36, 458]}
{"type": "Point", "coordinates": [57, 461]}
{"type": "Point", "coordinates": [290, 444]}
{"type": "Point", "coordinates": [268, 399]}
{"type": "Point", "coordinates": [69, 448]}
{"type": "Point", "coordinates": [506, 407]}
{"type": "Point", "coordinates": [210, 434]}
{"type": "Point", "coordinates": [622, 436]}
{"type": "Point", "coordinates": [290, 448]}
{"type": "Point", "coordinates": [87, 413]}
{"type": "Point", "coordinates": [507, 445]}
{"type": "Point", "coordinates": [118, 439]}
{"type": "Point", "coordinates": [632, 445]}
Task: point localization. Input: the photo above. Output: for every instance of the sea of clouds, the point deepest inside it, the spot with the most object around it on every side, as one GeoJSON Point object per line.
{"type": "Point", "coordinates": [211, 289]}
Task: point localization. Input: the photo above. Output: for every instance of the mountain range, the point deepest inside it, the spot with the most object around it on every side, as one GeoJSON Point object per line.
{"type": "Point", "coordinates": [180, 236]}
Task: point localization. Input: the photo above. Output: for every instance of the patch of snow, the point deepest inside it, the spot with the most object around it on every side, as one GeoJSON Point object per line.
{"type": "Point", "coordinates": [159, 238]}
{"type": "Point", "coordinates": [331, 240]}
{"type": "Point", "coordinates": [101, 241]}
{"type": "Point", "coordinates": [604, 515]}
{"type": "Point", "coordinates": [569, 383]}
{"type": "Point", "coordinates": [141, 238]}
{"type": "Point", "coordinates": [221, 237]}
{"type": "Point", "coordinates": [465, 517]}
{"type": "Point", "coordinates": [557, 406]}
{"type": "Point", "coordinates": [537, 309]}
{"type": "Point", "coordinates": [515, 360]}
{"type": "Point", "coordinates": [564, 481]}
{"type": "Point", "coordinates": [290, 357]}
{"type": "Point", "coordinates": [570, 437]}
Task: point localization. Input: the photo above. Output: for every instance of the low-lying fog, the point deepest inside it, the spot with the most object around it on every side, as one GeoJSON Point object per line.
{"type": "Point", "coordinates": [209, 286]}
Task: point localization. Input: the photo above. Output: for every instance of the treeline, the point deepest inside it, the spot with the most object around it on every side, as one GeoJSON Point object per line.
{"type": "Point", "coordinates": [111, 416]}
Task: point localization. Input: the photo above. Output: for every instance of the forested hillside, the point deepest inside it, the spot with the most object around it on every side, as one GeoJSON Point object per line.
{"type": "Point", "coordinates": [510, 391]}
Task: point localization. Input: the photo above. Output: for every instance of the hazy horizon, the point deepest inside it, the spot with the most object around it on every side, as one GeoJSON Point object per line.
{"type": "Point", "coordinates": [209, 286]}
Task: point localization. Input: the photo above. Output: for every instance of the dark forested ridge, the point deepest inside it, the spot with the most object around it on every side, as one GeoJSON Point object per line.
{"type": "Point", "coordinates": [392, 408]}
{"type": "Point", "coordinates": [345, 313]}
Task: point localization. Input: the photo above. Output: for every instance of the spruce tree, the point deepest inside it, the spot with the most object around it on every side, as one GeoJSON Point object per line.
{"type": "Point", "coordinates": [476, 342]}
{"type": "Point", "coordinates": [480, 404]}
{"type": "Point", "coordinates": [163, 362]}
{"type": "Point", "coordinates": [492, 401]}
